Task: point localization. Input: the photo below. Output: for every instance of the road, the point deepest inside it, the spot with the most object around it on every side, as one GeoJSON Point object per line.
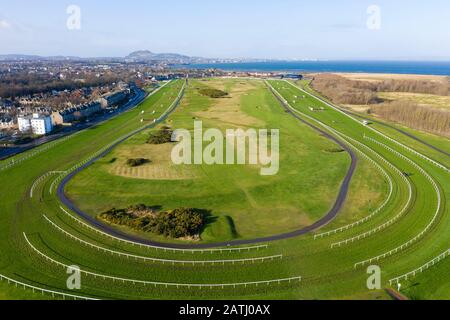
{"type": "Point", "coordinates": [330, 216]}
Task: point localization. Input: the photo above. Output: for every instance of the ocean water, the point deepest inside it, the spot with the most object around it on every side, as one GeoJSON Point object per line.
{"type": "Point", "coordinates": [400, 67]}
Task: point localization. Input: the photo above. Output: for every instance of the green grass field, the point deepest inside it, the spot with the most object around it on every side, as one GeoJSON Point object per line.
{"type": "Point", "coordinates": [301, 193]}
{"type": "Point", "coordinates": [410, 229]}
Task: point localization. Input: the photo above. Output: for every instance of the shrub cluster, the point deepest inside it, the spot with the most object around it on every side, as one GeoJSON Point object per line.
{"type": "Point", "coordinates": [178, 223]}
{"type": "Point", "coordinates": [137, 162]}
{"type": "Point", "coordinates": [161, 137]}
{"type": "Point", "coordinates": [213, 93]}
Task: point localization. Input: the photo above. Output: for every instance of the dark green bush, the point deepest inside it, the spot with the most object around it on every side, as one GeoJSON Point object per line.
{"type": "Point", "coordinates": [137, 162]}
{"type": "Point", "coordinates": [161, 137]}
{"type": "Point", "coordinates": [213, 93]}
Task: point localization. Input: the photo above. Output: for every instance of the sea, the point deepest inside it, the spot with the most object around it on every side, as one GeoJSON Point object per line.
{"type": "Point", "coordinates": [441, 68]}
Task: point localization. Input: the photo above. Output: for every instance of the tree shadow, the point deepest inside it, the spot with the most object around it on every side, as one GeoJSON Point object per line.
{"type": "Point", "coordinates": [230, 221]}
{"type": "Point", "coordinates": [211, 219]}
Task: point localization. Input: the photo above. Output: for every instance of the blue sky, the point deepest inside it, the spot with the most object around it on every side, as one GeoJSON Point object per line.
{"type": "Point", "coordinates": [322, 29]}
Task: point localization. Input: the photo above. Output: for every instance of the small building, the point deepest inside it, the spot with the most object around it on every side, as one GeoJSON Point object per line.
{"type": "Point", "coordinates": [113, 99]}
{"type": "Point", "coordinates": [293, 76]}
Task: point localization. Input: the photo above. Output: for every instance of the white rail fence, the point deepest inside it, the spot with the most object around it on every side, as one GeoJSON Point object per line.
{"type": "Point", "coordinates": [165, 249]}
{"type": "Point", "coordinates": [427, 228]}
{"type": "Point", "coordinates": [128, 135]}
{"type": "Point", "coordinates": [384, 225]}
{"type": "Point", "coordinates": [35, 289]}
{"type": "Point", "coordinates": [388, 223]}
{"type": "Point", "coordinates": [41, 179]}
{"type": "Point", "coordinates": [346, 138]}
{"type": "Point", "coordinates": [437, 164]}
{"type": "Point", "coordinates": [164, 284]}
{"type": "Point", "coordinates": [383, 205]}
{"type": "Point", "coordinates": [163, 261]}
{"type": "Point", "coordinates": [421, 269]}
{"type": "Point", "coordinates": [102, 150]}
{"type": "Point", "coordinates": [15, 161]}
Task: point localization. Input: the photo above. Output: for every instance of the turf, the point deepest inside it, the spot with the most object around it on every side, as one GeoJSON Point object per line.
{"type": "Point", "coordinates": [326, 273]}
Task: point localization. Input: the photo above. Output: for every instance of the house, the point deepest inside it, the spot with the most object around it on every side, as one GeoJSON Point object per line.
{"type": "Point", "coordinates": [63, 117]}
{"type": "Point", "coordinates": [7, 103]}
{"type": "Point", "coordinates": [70, 115]}
{"type": "Point", "coordinates": [6, 123]}
{"type": "Point", "coordinates": [113, 99]}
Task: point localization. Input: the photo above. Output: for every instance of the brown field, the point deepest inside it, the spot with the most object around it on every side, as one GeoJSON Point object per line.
{"type": "Point", "coordinates": [426, 100]}
{"type": "Point", "coordinates": [416, 101]}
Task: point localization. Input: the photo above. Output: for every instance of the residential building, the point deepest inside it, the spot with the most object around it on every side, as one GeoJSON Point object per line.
{"type": "Point", "coordinates": [37, 124]}
{"type": "Point", "coordinates": [6, 123]}
{"type": "Point", "coordinates": [41, 125]}
{"type": "Point", "coordinates": [113, 99]}
{"type": "Point", "coordinates": [64, 117]}
{"type": "Point", "coordinates": [24, 123]}
{"type": "Point", "coordinates": [76, 113]}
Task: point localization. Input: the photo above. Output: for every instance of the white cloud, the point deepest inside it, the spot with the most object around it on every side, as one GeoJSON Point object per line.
{"type": "Point", "coordinates": [4, 24]}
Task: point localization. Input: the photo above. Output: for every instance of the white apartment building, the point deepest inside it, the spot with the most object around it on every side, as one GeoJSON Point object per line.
{"type": "Point", "coordinates": [38, 124]}
{"type": "Point", "coordinates": [41, 125]}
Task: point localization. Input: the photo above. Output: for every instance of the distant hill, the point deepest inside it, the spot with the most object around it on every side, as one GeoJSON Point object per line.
{"type": "Point", "coordinates": [137, 56]}
{"type": "Point", "coordinates": [24, 57]}
{"type": "Point", "coordinates": [146, 55]}
{"type": "Point", "coordinates": [18, 57]}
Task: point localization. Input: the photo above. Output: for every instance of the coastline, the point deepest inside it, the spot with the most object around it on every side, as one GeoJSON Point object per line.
{"type": "Point", "coordinates": [437, 68]}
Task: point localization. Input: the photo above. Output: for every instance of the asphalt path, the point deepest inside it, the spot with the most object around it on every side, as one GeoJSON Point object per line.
{"type": "Point", "coordinates": [330, 216]}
